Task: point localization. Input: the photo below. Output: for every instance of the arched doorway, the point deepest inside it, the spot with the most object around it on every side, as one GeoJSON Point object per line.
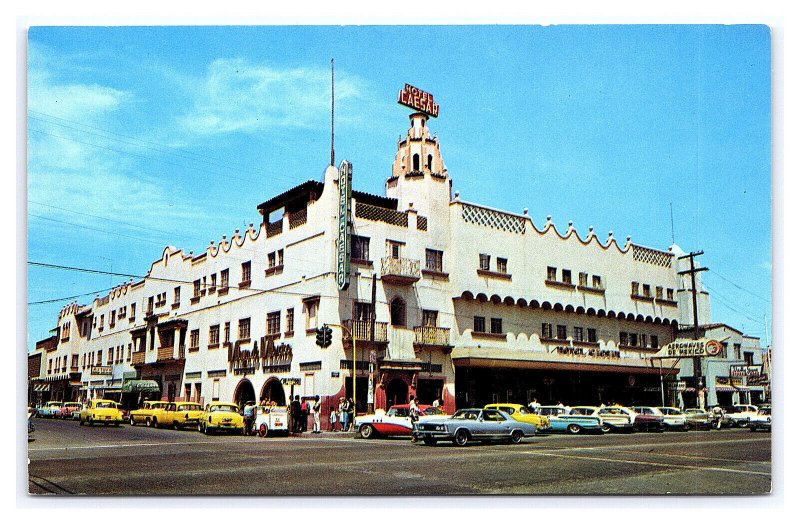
{"type": "Point", "coordinates": [273, 390]}
{"type": "Point", "coordinates": [396, 393]}
{"type": "Point", "coordinates": [244, 393]}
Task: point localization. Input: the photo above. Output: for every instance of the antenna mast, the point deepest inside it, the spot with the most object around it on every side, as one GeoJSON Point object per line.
{"type": "Point", "coordinates": [671, 223]}
{"type": "Point", "coordinates": [332, 159]}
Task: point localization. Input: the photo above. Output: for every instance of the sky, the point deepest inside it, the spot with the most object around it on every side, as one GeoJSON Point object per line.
{"type": "Point", "coordinates": [143, 137]}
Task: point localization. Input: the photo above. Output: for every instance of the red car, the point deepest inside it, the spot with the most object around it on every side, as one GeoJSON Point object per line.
{"type": "Point", "coordinates": [647, 419]}
{"type": "Point", "coordinates": [69, 410]}
{"type": "Point", "coordinates": [395, 422]}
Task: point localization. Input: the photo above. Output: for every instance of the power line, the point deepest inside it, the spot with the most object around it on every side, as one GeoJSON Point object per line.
{"type": "Point", "coordinates": [62, 299]}
{"type": "Point", "coordinates": [719, 297]}
{"type": "Point", "coordinates": [740, 287]}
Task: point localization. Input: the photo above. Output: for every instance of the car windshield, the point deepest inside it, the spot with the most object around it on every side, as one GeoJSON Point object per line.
{"type": "Point", "coordinates": [433, 411]}
{"type": "Point", "coordinates": [524, 411]}
{"type": "Point", "coordinates": [224, 407]}
{"type": "Point", "coordinates": [189, 407]}
{"type": "Point", "coordinates": [397, 412]}
{"type": "Point", "coordinates": [670, 411]}
{"type": "Point", "coordinates": [738, 409]}
{"type": "Point", "coordinates": [105, 405]}
{"type": "Point", "coordinates": [466, 414]}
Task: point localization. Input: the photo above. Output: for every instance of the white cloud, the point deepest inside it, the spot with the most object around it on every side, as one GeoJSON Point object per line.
{"type": "Point", "coordinates": [235, 95]}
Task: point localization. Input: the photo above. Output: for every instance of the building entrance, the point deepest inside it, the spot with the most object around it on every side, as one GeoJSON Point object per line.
{"type": "Point", "coordinates": [244, 393]}
{"type": "Point", "coordinates": [273, 391]}
{"type": "Point", "coordinates": [396, 393]}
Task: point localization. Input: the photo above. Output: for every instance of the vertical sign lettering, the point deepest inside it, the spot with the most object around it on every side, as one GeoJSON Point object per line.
{"type": "Point", "coordinates": [343, 235]}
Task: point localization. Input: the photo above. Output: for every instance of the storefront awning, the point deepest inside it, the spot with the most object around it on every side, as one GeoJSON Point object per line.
{"type": "Point", "coordinates": [726, 389]}
{"type": "Point", "coordinates": [41, 387]}
{"type": "Point", "coordinates": [140, 386]}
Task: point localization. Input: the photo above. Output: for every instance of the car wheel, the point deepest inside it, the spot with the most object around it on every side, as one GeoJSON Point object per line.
{"type": "Point", "coordinates": [154, 421]}
{"type": "Point", "coordinates": [366, 431]}
{"type": "Point", "coordinates": [753, 429]}
{"type": "Point", "coordinates": [605, 428]}
{"type": "Point", "coordinates": [199, 427]}
{"type": "Point", "coordinates": [461, 437]}
{"type": "Point", "coordinates": [90, 421]}
{"type": "Point", "coordinates": [175, 425]}
{"type": "Point", "coordinates": [742, 423]}
{"type": "Point", "coordinates": [574, 429]}
{"type": "Point", "coordinates": [80, 421]}
{"type": "Point", "coordinates": [148, 422]}
{"type": "Point", "coordinates": [516, 437]}
{"type": "Point", "coordinates": [131, 422]}
{"type": "Point", "coordinates": [429, 441]}
{"type": "Point", "coordinates": [262, 430]}
{"type": "Point", "coordinates": [206, 430]}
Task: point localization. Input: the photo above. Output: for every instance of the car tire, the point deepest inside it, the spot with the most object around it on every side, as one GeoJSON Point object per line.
{"type": "Point", "coordinates": [175, 425]}
{"type": "Point", "coordinates": [574, 429]}
{"type": "Point", "coordinates": [206, 430]}
{"type": "Point", "coordinates": [80, 421]}
{"type": "Point", "coordinates": [262, 430]}
{"type": "Point", "coordinates": [131, 421]}
{"type": "Point", "coordinates": [461, 437]}
{"type": "Point", "coordinates": [429, 441]}
{"type": "Point", "coordinates": [742, 423]}
{"type": "Point", "coordinates": [154, 421]}
{"type": "Point", "coordinates": [90, 421]}
{"type": "Point", "coordinates": [366, 431]}
{"type": "Point", "coordinates": [605, 428]}
{"type": "Point", "coordinates": [199, 427]}
{"type": "Point", "coordinates": [753, 429]}
{"type": "Point", "coordinates": [516, 436]}
{"type": "Point", "coordinates": [148, 422]}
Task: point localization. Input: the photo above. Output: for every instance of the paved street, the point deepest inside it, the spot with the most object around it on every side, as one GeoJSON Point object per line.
{"type": "Point", "coordinates": [66, 458]}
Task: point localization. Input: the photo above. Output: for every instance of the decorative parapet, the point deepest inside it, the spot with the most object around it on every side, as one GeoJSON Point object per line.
{"type": "Point", "coordinates": [487, 217]}
{"type": "Point", "coordinates": [652, 256]}
{"type": "Point", "coordinates": [381, 214]}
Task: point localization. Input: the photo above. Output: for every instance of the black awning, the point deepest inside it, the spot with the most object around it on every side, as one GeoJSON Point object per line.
{"type": "Point", "coordinates": [141, 386]}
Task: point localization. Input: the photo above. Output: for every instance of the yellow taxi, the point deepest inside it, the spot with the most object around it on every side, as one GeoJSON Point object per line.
{"type": "Point", "coordinates": [150, 413]}
{"type": "Point", "coordinates": [523, 414]}
{"type": "Point", "coordinates": [180, 415]}
{"type": "Point", "coordinates": [100, 411]}
{"type": "Point", "coordinates": [221, 416]}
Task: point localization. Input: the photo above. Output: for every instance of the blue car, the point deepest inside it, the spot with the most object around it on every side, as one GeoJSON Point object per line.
{"type": "Point", "coordinates": [563, 421]}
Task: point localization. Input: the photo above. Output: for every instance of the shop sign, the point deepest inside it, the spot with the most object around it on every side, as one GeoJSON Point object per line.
{"type": "Point", "coordinates": [688, 348]}
{"type": "Point", "coordinates": [735, 382]}
{"type": "Point", "coordinates": [680, 385]}
{"type": "Point", "coordinates": [334, 374]}
{"type": "Point", "coordinates": [418, 99]}
{"type": "Point", "coordinates": [739, 370]}
{"type": "Point", "coordinates": [759, 380]}
{"type": "Point", "coordinates": [343, 237]}
{"type": "Point", "coordinates": [101, 370]}
{"type": "Point", "coordinates": [291, 381]}
{"type": "Point", "coordinates": [587, 352]}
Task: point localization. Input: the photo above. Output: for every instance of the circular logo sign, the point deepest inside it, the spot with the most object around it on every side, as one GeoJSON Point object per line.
{"type": "Point", "coordinates": [713, 348]}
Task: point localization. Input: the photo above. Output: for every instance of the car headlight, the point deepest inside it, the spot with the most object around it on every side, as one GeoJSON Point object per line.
{"type": "Point", "coordinates": [439, 428]}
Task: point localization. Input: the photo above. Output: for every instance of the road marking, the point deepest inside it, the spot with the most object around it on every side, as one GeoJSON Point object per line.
{"type": "Point", "coordinates": [663, 444]}
{"type": "Point", "coordinates": [181, 443]}
{"type": "Point", "coordinates": [644, 463]}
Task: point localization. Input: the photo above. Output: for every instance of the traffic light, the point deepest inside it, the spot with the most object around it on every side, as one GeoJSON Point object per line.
{"type": "Point", "coordinates": [327, 336]}
{"type": "Point", "coordinates": [320, 337]}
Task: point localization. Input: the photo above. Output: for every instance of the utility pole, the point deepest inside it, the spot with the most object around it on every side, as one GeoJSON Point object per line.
{"type": "Point", "coordinates": [697, 372]}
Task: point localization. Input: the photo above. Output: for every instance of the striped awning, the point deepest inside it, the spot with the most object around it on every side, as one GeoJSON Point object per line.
{"type": "Point", "coordinates": [726, 389]}
{"type": "Point", "coordinates": [41, 387]}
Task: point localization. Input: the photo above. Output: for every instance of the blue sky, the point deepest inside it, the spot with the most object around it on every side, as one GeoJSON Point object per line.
{"type": "Point", "coordinates": [143, 137]}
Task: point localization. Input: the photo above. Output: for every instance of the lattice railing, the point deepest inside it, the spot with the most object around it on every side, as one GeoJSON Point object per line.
{"type": "Point", "coordinates": [381, 214]}
{"type": "Point", "coordinates": [422, 223]}
{"type": "Point", "coordinates": [652, 256]}
{"type": "Point", "coordinates": [298, 218]}
{"type": "Point", "coordinates": [275, 228]}
{"type": "Point", "coordinates": [491, 218]}
{"type": "Point", "coordinates": [431, 335]}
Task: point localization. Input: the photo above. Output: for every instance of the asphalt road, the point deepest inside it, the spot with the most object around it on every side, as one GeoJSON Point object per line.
{"type": "Point", "coordinates": [68, 459]}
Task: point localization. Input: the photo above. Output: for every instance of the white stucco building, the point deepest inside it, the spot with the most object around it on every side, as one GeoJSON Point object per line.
{"type": "Point", "coordinates": [471, 305]}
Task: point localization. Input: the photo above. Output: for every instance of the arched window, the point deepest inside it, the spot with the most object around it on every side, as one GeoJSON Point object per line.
{"type": "Point", "coordinates": [430, 162]}
{"type": "Point", "coordinates": [398, 312]}
{"type": "Point", "coordinates": [416, 162]}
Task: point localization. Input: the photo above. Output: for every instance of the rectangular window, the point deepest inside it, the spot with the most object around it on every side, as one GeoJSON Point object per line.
{"type": "Point", "coordinates": [112, 320]}
{"type": "Point", "coordinates": [74, 361]}
{"type": "Point", "coordinates": [223, 279]}
{"type": "Point", "coordinates": [246, 272]}
{"type": "Point", "coordinates": [497, 325]}
{"type": "Point", "coordinates": [632, 338]}
{"type": "Point", "coordinates": [597, 282]}
{"type": "Point", "coordinates": [634, 288]}
{"type": "Point", "coordinates": [311, 307]}
{"type": "Point", "coordinates": [748, 358]}
{"type": "Point", "coordinates": [130, 349]}
{"type": "Point", "coordinates": [502, 265]}
{"type": "Point", "coordinates": [280, 257]}
{"type": "Point", "coordinates": [359, 248]}
{"type": "Point", "coordinates": [583, 279]}
{"type": "Point", "coordinates": [213, 286]}
{"type": "Point", "coordinates": [393, 248]}
{"type": "Point", "coordinates": [227, 332]}
{"type": "Point", "coordinates": [177, 296]}
{"type": "Point", "coordinates": [670, 294]}
{"type": "Point", "coordinates": [271, 259]}
{"type": "Point", "coordinates": [547, 330]}
{"type": "Point", "coordinates": [659, 292]}
{"type": "Point", "coordinates": [430, 318]}
{"type": "Point", "coordinates": [196, 284]}
{"type": "Point", "coordinates": [362, 311]}
{"type": "Point", "coordinates": [737, 351]}
{"type": "Point", "coordinates": [433, 260]}
{"type": "Point", "coordinates": [102, 321]}
{"type": "Point", "coordinates": [213, 335]}
{"type": "Point", "coordinates": [566, 276]}
{"type": "Point", "coordinates": [194, 339]}
{"type": "Point", "coordinates": [561, 332]}
{"type": "Point", "coordinates": [479, 325]}
{"type": "Point", "coordinates": [591, 335]}
{"type": "Point", "coordinates": [623, 338]}
{"type": "Point", "coordinates": [551, 273]}
{"type": "Point", "coordinates": [274, 323]}
{"type": "Point", "coordinates": [133, 311]}
{"type": "Point", "coordinates": [110, 359]}
{"type": "Point", "coordinates": [484, 261]}
{"type": "Point", "coordinates": [654, 341]}
{"type": "Point", "coordinates": [290, 320]}
{"type": "Point", "coordinates": [646, 290]}
{"type": "Point", "coordinates": [244, 329]}
{"type": "Point", "coordinates": [577, 334]}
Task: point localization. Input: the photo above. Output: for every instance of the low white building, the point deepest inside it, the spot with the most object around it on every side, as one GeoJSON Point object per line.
{"type": "Point", "coordinates": [471, 305]}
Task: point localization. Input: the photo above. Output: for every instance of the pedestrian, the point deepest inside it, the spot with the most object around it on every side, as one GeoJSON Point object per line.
{"type": "Point", "coordinates": [332, 419]}
{"type": "Point", "coordinates": [304, 416]}
{"type": "Point", "coordinates": [351, 413]}
{"type": "Point", "coordinates": [534, 404]}
{"type": "Point", "coordinates": [315, 410]}
{"type": "Point", "coordinates": [342, 414]}
{"type": "Point", "coordinates": [435, 402]}
{"type": "Point", "coordinates": [413, 409]}
{"type": "Point", "coordinates": [294, 412]}
{"type": "Point", "coordinates": [560, 404]}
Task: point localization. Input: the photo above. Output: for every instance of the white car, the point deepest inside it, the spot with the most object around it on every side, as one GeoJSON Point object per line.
{"type": "Point", "coordinates": [393, 423]}
{"type": "Point", "coordinates": [271, 420]}
{"type": "Point", "coordinates": [613, 418]}
{"type": "Point", "coordinates": [741, 414]}
{"type": "Point", "coordinates": [674, 419]}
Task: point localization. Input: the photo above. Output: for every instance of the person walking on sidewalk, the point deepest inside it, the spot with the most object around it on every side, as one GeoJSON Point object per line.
{"type": "Point", "coordinates": [294, 412]}
{"type": "Point", "coordinates": [315, 411]}
{"type": "Point", "coordinates": [332, 419]}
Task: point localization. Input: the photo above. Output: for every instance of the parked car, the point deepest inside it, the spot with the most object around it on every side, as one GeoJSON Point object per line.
{"type": "Point", "coordinates": [648, 418]}
{"type": "Point", "coordinates": [560, 420]}
{"type": "Point", "coordinates": [101, 411]}
{"type": "Point", "coordinates": [698, 418]}
{"type": "Point", "coordinates": [221, 416]}
{"type": "Point", "coordinates": [148, 414]}
{"type": "Point", "coordinates": [674, 419]}
{"type": "Point", "coordinates": [68, 409]}
{"type": "Point", "coordinates": [473, 424]}
{"type": "Point", "coordinates": [761, 420]}
{"type": "Point", "coordinates": [396, 422]}
{"type": "Point", "coordinates": [720, 418]}
{"type": "Point", "coordinates": [741, 413]}
{"type": "Point", "coordinates": [523, 414]}
{"type": "Point", "coordinates": [614, 418]}
{"type": "Point", "coordinates": [49, 410]}
{"type": "Point", "coordinates": [179, 415]}
{"type": "Point", "coordinates": [270, 420]}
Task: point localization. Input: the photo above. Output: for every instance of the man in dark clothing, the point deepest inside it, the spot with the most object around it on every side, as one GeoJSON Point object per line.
{"type": "Point", "coordinates": [295, 413]}
{"type": "Point", "coordinates": [304, 416]}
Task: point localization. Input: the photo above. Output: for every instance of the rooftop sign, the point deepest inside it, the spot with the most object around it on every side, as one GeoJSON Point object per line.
{"type": "Point", "coordinates": [419, 100]}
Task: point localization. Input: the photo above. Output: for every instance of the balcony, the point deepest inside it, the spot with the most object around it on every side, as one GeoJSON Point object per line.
{"type": "Point", "coordinates": [431, 336]}
{"type": "Point", "coordinates": [168, 353]}
{"type": "Point", "coordinates": [402, 271]}
{"type": "Point", "coordinates": [137, 358]}
{"type": "Point", "coordinates": [362, 330]}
